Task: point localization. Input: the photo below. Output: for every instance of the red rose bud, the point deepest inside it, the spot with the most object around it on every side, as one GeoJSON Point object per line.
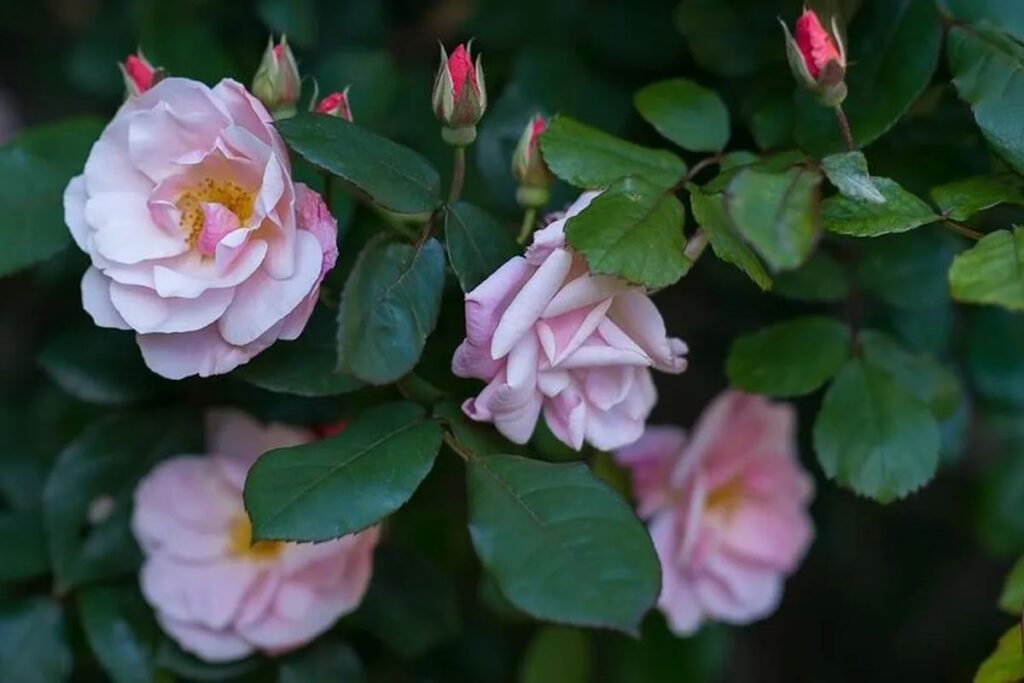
{"type": "Point", "coordinates": [460, 95]}
{"type": "Point", "coordinates": [336, 104]}
{"type": "Point", "coordinates": [817, 58]}
{"type": "Point", "coordinates": [139, 75]}
{"type": "Point", "coordinates": [277, 82]}
{"type": "Point", "coordinates": [528, 165]}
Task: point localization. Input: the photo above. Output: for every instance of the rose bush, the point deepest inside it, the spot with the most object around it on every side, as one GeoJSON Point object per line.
{"type": "Point", "coordinates": [316, 369]}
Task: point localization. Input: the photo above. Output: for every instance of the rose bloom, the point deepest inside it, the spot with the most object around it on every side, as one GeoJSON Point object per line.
{"type": "Point", "coordinates": [217, 595]}
{"type": "Point", "coordinates": [727, 510]}
{"type": "Point", "coordinates": [546, 334]}
{"type": "Point", "coordinates": [198, 238]}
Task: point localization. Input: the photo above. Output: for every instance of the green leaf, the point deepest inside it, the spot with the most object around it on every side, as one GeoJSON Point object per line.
{"type": "Point", "coordinates": [326, 489]}
{"type": "Point", "coordinates": [393, 176]}
{"type": "Point", "coordinates": [709, 212]}
{"type": "Point", "coordinates": [917, 373]}
{"type": "Point", "coordinates": [987, 69]}
{"type": "Point", "coordinates": [901, 211]}
{"type": "Point", "coordinates": [561, 545]}
{"type": "Point", "coordinates": [390, 304]}
{"type": "Point", "coordinates": [304, 367]}
{"type": "Point", "coordinates": [908, 270]}
{"type": "Point", "coordinates": [820, 279]}
{"type": "Point", "coordinates": [848, 171]}
{"type": "Point", "coordinates": [990, 272]}
{"type": "Point", "coordinates": [776, 212]}
{"type": "Point", "coordinates": [791, 358]}
{"type": "Point", "coordinates": [327, 660]}
{"type": "Point", "coordinates": [730, 37]}
{"type": "Point", "coordinates": [121, 632]}
{"type": "Point", "coordinates": [589, 158]}
{"type": "Point", "coordinates": [477, 244]}
{"type": "Point", "coordinates": [688, 114]}
{"type": "Point", "coordinates": [962, 199]}
{"type": "Point", "coordinates": [1011, 599]}
{"type": "Point", "coordinates": [556, 653]}
{"type": "Point", "coordinates": [412, 617]}
{"type": "Point", "coordinates": [104, 464]}
{"type": "Point", "coordinates": [33, 647]}
{"type": "Point", "coordinates": [894, 50]}
{"type": "Point", "coordinates": [34, 170]}
{"type": "Point", "coordinates": [1009, 16]}
{"type": "Point", "coordinates": [633, 230]}
{"type": "Point", "coordinates": [873, 436]}
{"type": "Point", "coordinates": [100, 365]}
{"type": "Point", "coordinates": [22, 532]}
{"type": "Point", "coordinates": [1006, 664]}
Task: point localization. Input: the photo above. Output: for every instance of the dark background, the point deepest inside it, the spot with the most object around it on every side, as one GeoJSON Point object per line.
{"type": "Point", "coordinates": [904, 592]}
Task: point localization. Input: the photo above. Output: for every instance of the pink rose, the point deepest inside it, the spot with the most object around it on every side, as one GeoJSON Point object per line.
{"type": "Point", "coordinates": [545, 333]}
{"type": "Point", "coordinates": [336, 104]}
{"type": "Point", "coordinates": [217, 595]}
{"type": "Point", "coordinates": [727, 510]}
{"type": "Point", "coordinates": [198, 238]}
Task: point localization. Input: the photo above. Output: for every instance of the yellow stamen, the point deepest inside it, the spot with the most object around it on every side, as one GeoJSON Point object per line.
{"type": "Point", "coordinates": [224, 192]}
{"type": "Point", "coordinates": [240, 542]}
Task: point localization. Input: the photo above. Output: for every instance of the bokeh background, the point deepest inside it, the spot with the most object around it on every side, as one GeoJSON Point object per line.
{"type": "Point", "coordinates": [904, 592]}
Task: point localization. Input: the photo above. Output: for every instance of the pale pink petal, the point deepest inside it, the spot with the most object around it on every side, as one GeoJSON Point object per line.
{"type": "Point", "coordinates": [75, 196]}
{"type": "Point", "coordinates": [96, 300]}
{"type": "Point", "coordinates": [207, 644]}
{"type": "Point", "coordinates": [203, 352]}
{"type": "Point", "coordinates": [262, 301]}
{"type": "Point", "coordinates": [532, 299]}
{"type": "Point", "coordinates": [148, 312]}
{"type": "Point", "coordinates": [124, 231]}
{"type": "Point", "coordinates": [218, 221]}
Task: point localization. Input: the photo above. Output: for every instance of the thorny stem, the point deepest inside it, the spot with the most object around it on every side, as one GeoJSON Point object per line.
{"type": "Point", "coordinates": [844, 128]}
{"type": "Point", "coordinates": [458, 174]}
{"type": "Point", "coordinates": [529, 218]}
{"type": "Point", "coordinates": [961, 229]}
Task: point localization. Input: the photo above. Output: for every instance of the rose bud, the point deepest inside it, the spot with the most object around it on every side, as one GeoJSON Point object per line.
{"type": "Point", "coordinates": [336, 104]}
{"type": "Point", "coordinates": [139, 75]}
{"type": "Point", "coordinates": [529, 168]}
{"type": "Point", "coordinates": [277, 81]}
{"type": "Point", "coordinates": [460, 96]}
{"type": "Point", "coordinates": [818, 58]}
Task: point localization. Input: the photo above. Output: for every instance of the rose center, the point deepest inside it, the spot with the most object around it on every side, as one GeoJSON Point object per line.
{"type": "Point", "coordinates": [240, 542]}
{"type": "Point", "coordinates": [228, 194]}
{"type": "Point", "coordinates": [727, 497]}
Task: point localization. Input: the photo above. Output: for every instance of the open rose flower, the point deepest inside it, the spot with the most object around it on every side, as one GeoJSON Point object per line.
{"type": "Point", "coordinates": [727, 510]}
{"type": "Point", "coordinates": [199, 240]}
{"type": "Point", "coordinates": [546, 334]}
{"type": "Point", "coordinates": [217, 595]}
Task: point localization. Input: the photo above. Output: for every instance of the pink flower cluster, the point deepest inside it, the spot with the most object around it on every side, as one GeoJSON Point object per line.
{"type": "Point", "coordinates": [199, 240]}
{"type": "Point", "coordinates": [726, 508]}
{"type": "Point", "coordinates": [547, 335]}
{"type": "Point", "coordinates": [219, 596]}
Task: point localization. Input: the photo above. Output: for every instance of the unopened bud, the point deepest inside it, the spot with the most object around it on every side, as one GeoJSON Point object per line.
{"type": "Point", "coordinates": [817, 58]}
{"type": "Point", "coordinates": [277, 82]}
{"type": "Point", "coordinates": [528, 165]}
{"type": "Point", "coordinates": [336, 104]}
{"type": "Point", "coordinates": [460, 95]}
{"type": "Point", "coordinates": [139, 75]}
